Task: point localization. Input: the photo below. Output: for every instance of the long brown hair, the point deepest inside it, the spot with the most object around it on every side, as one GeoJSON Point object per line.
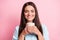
{"type": "Point", "coordinates": [24, 21]}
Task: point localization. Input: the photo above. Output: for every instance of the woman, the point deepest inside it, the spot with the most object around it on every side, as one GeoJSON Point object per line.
{"type": "Point", "coordinates": [29, 14]}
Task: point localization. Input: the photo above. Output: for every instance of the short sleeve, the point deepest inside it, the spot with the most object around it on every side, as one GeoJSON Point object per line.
{"type": "Point", "coordinates": [45, 32]}
{"type": "Point", "coordinates": [15, 35]}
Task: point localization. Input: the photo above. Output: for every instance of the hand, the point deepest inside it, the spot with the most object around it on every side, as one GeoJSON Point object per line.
{"type": "Point", "coordinates": [22, 35]}
{"type": "Point", "coordinates": [34, 29]}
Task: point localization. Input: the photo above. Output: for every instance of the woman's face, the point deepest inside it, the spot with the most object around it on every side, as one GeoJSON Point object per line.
{"type": "Point", "coordinates": [29, 13]}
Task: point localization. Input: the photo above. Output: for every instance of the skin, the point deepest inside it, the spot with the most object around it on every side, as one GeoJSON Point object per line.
{"type": "Point", "coordinates": [29, 14]}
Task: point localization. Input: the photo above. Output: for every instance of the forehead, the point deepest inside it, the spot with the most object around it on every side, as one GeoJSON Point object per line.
{"type": "Point", "coordinates": [29, 7]}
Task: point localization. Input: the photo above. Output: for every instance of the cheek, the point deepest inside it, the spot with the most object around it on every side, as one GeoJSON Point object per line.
{"type": "Point", "coordinates": [25, 14]}
{"type": "Point", "coordinates": [33, 15]}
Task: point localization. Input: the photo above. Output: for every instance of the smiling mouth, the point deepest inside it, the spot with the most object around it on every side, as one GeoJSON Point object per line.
{"type": "Point", "coordinates": [29, 16]}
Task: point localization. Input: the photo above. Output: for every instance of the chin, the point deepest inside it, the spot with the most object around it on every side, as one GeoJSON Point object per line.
{"type": "Point", "coordinates": [29, 20]}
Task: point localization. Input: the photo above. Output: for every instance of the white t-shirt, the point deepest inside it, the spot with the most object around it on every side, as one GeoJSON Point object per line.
{"type": "Point", "coordinates": [31, 37]}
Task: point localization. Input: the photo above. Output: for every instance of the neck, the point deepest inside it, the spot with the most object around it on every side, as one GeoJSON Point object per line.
{"type": "Point", "coordinates": [30, 21]}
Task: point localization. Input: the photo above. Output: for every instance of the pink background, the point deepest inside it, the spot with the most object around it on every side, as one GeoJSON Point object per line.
{"type": "Point", "coordinates": [49, 13]}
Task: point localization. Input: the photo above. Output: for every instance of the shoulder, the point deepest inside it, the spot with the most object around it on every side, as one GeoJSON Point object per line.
{"type": "Point", "coordinates": [44, 28]}
{"type": "Point", "coordinates": [15, 35]}
{"type": "Point", "coordinates": [45, 32]}
{"type": "Point", "coordinates": [17, 27]}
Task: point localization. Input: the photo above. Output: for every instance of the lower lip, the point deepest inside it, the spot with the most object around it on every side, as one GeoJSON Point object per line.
{"type": "Point", "coordinates": [29, 16]}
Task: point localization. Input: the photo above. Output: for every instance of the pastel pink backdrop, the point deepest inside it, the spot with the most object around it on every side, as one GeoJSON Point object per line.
{"type": "Point", "coordinates": [49, 14]}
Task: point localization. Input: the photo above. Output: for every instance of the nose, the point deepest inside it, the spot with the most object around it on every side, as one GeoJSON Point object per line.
{"type": "Point", "coordinates": [29, 13]}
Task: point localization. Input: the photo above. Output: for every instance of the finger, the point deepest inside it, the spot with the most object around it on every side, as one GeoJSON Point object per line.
{"type": "Point", "coordinates": [26, 30]}
{"type": "Point", "coordinates": [30, 29]}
